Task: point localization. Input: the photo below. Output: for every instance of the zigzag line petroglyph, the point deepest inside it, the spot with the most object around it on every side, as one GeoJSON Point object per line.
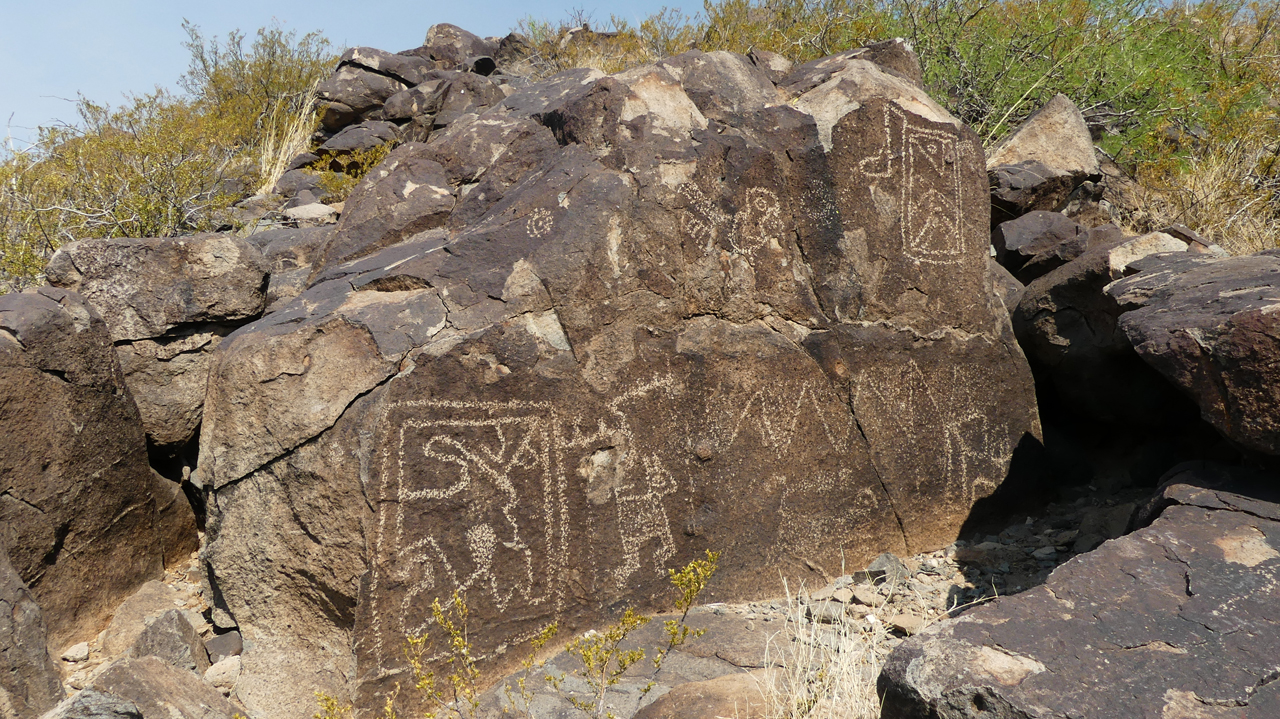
{"type": "Point", "coordinates": [778, 432]}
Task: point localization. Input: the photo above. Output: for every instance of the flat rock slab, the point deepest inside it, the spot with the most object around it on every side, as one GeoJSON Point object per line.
{"type": "Point", "coordinates": [1180, 619]}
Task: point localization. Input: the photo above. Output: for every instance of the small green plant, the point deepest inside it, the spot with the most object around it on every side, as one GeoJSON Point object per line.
{"type": "Point", "coordinates": [459, 696]}
{"type": "Point", "coordinates": [605, 662]}
{"type": "Point", "coordinates": [341, 172]}
{"type": "Point", "coordinates": [522, 694]}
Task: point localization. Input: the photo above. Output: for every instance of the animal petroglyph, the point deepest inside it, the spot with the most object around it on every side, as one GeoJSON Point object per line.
{"type": "Point", "coordinates": [757, 223]}
{"type": "Point", "coordinates": [926, 166]}
{"type": "Point", "coordinates": [937, 414]}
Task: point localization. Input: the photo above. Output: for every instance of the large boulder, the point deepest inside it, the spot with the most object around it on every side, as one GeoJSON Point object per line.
{"type": "Point", "coordinates": [1209, 326]}
{"type": "Point", "coordinates": [1179, 619]}
{"type": "Point", "coordinates": [158, 689]}
{"type": "Point", "coordinates": [1037, 243]}
{"type": "Point", "coordinates": [773, 335]}
{"type": "Point", "coordinates": [77, 512]}
{"type": "Point", "coordinates": [1041, 163]}
{"type": "Point", "coordinates": [167, 303]}
{"type": "Point", "coordinates": [29, 682]}
{"type": "Point", "coordinates": [450, 45]}
{"type": "Point", "coordinates": [1068, 326]}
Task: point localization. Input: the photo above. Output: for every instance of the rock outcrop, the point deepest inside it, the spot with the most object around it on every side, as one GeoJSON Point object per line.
{"type": "Point", "coordinates": [601, 326]}
{"type": "Point", "coordinates": [1208, 325]}
{"type": "Point", "coordinates": [77, 511]}
{"type": "Point", "coordinates": [1178, 619]}
{"type": "Point", "coordinates": [1043, 162]}
{"type": "Point", "coordinates": [29, 682]}
{"type": "Point", "coordinates": [1068, 326]}
{"type": "Point", "coordinates": [167, 304]}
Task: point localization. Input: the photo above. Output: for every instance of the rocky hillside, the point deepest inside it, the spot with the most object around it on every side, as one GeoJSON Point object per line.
{"type": "Point", "coordinates": [568, 336]}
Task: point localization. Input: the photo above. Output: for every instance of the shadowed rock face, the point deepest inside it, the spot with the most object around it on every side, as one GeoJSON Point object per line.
{"type": "Point", "coordinates": [670, 322]}
{"type": "Point", "coordinates": [75, 488]}
{"type": "Point", "coordinates": [1208, 325]}
{"type": "Point", "coordinates": [29, 680]}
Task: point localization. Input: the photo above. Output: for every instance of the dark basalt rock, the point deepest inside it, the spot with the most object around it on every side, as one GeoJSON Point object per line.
{"type": "Point", "coordinates": [1178, 619]}
{"type": "Point", "coordinates": [77, 492]}
{"type": "Point", "coordinates": [29, 680]}
{"type": "Point", "coordinates": [1209, 326]}
{"type": "Point", "coordinates": [1037, 243]}
{"type": "Point", "coordinates": [576, 339]}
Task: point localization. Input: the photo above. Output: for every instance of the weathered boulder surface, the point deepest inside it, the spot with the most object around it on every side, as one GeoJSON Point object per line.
{"type": "Point", "coordinates": [1040, 164]}
{"type": "Point", "coordinates": [167, 303]}
{"type": "Point", "coordinates": [1068, 326]}
{"type": "Point", "coordinates": [1038, 243]}
{"type": "Point", "coordinates": [29, 682]}
{"type": "Point", "coordinates": [669, 322]}
{"type": "Point", "coordinates": [90, 704]}
{"type": "Point", "coordinates": [75, 487]}
{"type": "Point", "coordinates": [1208, 325]}
{"type": "Point", "coordinates": [1179, 619]}
{"type": "Point", "coordinates": [161, 690]}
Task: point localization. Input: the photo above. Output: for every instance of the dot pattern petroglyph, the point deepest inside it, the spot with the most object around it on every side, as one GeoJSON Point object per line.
{"type": "Point", "coordinates": [539, 223]}
{"type": "Point", "coordinates": [926, 166]}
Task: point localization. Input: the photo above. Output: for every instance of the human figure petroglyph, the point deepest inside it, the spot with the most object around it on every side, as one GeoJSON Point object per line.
{"type": "Point", "coordinates": [933, 413]}
{"type": "Point", "coordinates": [489, 460]}
{"type": "Point", "coordinates": [757, 223]}
{"type": "Point", "coordinates": [925, 163]}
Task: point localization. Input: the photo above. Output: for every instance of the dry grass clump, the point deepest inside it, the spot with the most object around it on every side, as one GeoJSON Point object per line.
{"type": "Point", "coordinates": [1227, 192]}
{"type": "Point", "coordinates": [827, 671]}
{"type": "Point", "coordinates": [575, 42]}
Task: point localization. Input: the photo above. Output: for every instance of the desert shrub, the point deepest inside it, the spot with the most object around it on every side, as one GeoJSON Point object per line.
{"type": "Point", "coordinates": [341, 172]}
{"type": "Point", "coordinates": [162, 164]}
{"type": "Point", "coordinates": [573, 43]}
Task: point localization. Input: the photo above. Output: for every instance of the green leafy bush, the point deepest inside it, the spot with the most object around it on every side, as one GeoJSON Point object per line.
{"type": "Point", "coordinates": [163, 164]}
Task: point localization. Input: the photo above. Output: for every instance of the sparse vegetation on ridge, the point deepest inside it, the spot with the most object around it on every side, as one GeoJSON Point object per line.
{"type": "Point", "coordinates": [1184, 96]}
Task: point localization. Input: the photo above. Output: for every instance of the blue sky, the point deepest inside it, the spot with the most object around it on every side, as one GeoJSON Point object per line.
{"type": "Point", "coordinates": [50, 51]}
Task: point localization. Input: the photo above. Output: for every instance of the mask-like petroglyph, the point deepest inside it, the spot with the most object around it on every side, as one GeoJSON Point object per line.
{"type": "Point", "coordinates": [756, 224]}
{"type": "Point", "coordinates": [926, 166]}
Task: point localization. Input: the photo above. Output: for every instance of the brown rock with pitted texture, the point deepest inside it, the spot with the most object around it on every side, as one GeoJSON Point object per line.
{"type": "Point", "coordinates": [771, 334]}
{"type": "Point", "coordinates": [161, 690]}
{"type": "Point", "coordinates": [1208, 325]}
{"type": "Point", "coordinates": [1037, 243]}
{"type": "Point", "coordinates": [1055, 135]}
{"type": "Point", "coordinates": [1041, 163]}
{"type": "Point", "coordinates": [408, 69]}
{"type": "Point", "coordinates": [167, 304]}
{"type": "Point", "coordinates": [1067, 325]}
{"type": "Point", "coordinates": [722, 83]}
{"type": "Point", "coordinates": [772, 64]}
{"type": "Point", "coordinates": [1179, 619]}
{"type": "Point", "coordinates": [290, 254]}
{"type": "Point", "coordinates": [29, 680]}
{"type": "Point", "coordinates": [406, 194]}
{"type": "Point", "coordinates": [353, 93]}
{"type": "Point", "coordinates": [741, 696]}
{"type": "Point", "coordinates": [450, 45]}
{"type": "Point", "coordinates": [75, 488]}
{"type": "Point", "coordinates": [145, 288]}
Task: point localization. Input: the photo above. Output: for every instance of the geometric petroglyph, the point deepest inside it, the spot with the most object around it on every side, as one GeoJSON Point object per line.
{"type": "Point", "coordinates": [539, 223]}
{"type": "Point", "coordinates": [926, 166]}
{"type": "Point", "coordinates": [473, 498]}
{"type": "Point", "coordinates": [756, 224]}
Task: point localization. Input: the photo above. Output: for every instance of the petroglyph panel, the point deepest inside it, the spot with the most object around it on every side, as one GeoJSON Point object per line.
{"type": "Point", "coordinates": [924, 165]}
{"type": "Point", "coordinates": [757, 223]}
